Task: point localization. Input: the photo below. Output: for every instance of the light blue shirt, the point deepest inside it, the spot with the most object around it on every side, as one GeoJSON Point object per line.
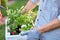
{"type": "Point", "coordinates": [48, 11]}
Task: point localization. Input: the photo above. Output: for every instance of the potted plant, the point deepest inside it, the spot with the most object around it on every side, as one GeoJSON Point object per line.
{"type": "Point", "coordinates": [18, 22]}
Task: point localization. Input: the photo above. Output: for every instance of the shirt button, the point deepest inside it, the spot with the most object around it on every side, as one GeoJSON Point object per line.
{"type": "Point", "coordinates": [40, 10]}
{"type": "Point", "coordinates": [37, 19]}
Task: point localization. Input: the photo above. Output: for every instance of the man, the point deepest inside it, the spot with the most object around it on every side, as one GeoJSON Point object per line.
{"type": "Point", "coordinates": [48, 18]}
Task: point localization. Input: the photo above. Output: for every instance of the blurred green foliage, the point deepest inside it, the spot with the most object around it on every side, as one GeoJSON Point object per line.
{"type": "Point", "coordinates": [4, 4]}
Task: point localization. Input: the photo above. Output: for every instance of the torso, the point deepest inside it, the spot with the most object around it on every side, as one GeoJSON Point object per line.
{"type": "Point", "coordinates": [48, 11]}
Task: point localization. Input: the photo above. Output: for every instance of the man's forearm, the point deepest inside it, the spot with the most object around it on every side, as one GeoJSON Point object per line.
{"type": "Point", "coordinates": [29, 6]}
{"type": "Point", "coordinates": [50, 26]}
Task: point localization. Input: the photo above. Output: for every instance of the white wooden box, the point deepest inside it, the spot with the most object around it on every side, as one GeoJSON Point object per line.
{"type": "Point", "coordinates": [13, 37]}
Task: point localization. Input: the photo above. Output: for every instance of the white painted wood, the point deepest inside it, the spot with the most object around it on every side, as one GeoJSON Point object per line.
{"type": "Point", "coordinates": [13, 37]}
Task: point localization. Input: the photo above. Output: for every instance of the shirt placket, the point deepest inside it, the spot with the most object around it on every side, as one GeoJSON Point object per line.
{"type": "Point", "coordinates": [40, 10]}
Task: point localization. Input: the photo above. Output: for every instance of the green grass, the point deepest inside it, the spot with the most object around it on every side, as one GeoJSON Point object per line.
{"type": "Point", "coordinates": [2, 32]}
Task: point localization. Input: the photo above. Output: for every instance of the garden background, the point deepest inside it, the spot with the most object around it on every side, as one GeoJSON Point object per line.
{"type": "Point", "coordinates": [12, 4]}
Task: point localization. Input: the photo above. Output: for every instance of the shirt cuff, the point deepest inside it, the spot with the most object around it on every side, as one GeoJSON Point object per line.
{"type": "Point", "coordinates": [34, 1]}
{"type": "Point", "coordinates": [59, 17]}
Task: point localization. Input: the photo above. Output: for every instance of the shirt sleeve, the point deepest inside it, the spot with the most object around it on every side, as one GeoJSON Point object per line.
{"type": "Point", "coordinates": [34, 1]}
{"type": "Point", "coordinates": [59, 17]}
